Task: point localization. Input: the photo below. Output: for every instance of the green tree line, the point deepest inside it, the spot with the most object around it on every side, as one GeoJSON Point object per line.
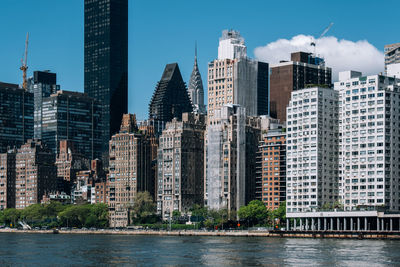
{"type": "Point", "coordinates": [56, 214]}
{"type": "Point", "coordinates": [256, 214]}
{"type": "Point", "coordinates": [143, 212]}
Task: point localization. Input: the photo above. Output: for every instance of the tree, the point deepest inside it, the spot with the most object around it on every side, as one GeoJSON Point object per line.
{"type": "Point", "coordinates": [98, 216]}
{"type": "Point", "coordinates": [56, 214]}
{"type": "Point", "coordinates": [2, 218]}
{"type": "Point", "coordinates": [143, 208]}
{"type": "Point", "coordinates": [254, 213]}
{"type": "Point", "coordinates": [100, 210]}
{"type": "Point", "coordinates": [91, 221]}
{"type": "Point", "coordinates": [217, 217]}
{"type": "Point", "coordinates": [209, 223]}
{"type": "Point", "coordinates": [11, 216]}
{"type": "Point", "coordinates": [327, 206]}
{"type": "Point", "coordinates": [176, 214]}
{"type": "Point", "coordinates": [331, 206]}
{"type": "Point", "coordinates": [199, 213]}
{"type": "Point", "coordinates": [337, 205]}
{"type": "Point", "coordinates": [52, 209]}
{"type": "Point", "coordinates": [75, 215]}
{"type": "Point", "coordinates": [279, 213]}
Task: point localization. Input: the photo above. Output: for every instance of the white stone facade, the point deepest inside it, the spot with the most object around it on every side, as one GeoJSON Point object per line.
{"type": "Point", "coordinates": [312, 149]}
{"type": "Point", "coordinates": [231, 45]}
{"type": "Point", "coordinates": [369, 145]}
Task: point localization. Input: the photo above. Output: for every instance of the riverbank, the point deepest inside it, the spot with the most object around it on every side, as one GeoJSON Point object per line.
{"type": "Point", "coordinates": [241, 233]}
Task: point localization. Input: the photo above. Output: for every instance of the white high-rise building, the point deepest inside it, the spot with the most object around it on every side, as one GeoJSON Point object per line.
{"type": "Point", "coordinates": [369, 146]}
{"type": "Point", "coordinates": [393, 70]}
{"type": "Point", "coordinates": [235, 79]}
{"type": "Point", "coordinates": [312, 149]}
{"type": "Point", "coordinates": [231, 45]}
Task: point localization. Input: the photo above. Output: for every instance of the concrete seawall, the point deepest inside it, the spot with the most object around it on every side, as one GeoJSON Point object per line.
{"type": "Point", "coordinates": [288, 234]}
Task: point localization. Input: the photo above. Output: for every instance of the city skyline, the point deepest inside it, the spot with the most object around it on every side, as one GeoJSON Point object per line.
{"type": "Point", "coordinates": [203, 126]}
{"type": "Point", "coordinates": [64, 22]}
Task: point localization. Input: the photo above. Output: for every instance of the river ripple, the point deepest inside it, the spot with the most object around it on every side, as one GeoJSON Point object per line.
{"type": "Point", "coordinates": [105, 250]}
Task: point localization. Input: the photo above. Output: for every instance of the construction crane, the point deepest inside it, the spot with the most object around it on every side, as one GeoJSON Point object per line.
{"type": "Point", "coordinates": [314, 42]}
{"type": "Point", "coordinates": [24, 66]}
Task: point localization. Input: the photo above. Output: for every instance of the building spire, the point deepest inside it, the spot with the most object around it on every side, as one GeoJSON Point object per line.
{"type": "Point", "coordinates": [195, 56]}
{"type": "Point", "coordinates": [195, 88]}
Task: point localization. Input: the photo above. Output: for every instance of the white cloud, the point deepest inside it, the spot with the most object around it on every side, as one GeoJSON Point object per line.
{"type": "Point", "coordinates": [340, 55]}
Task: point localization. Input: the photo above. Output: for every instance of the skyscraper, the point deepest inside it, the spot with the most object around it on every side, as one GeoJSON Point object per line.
{"type": "Point", "coordinates": [231, 45]}
{"type": "Point", "coordinates": [271, 174]}
{"type": "Point", "coordinates": [171, 98]}
{"type": "Point", "coordinates": [369, 140]}
{"type": "Point", "coordinates": [130, 170]}
{"type": "Point", "coordinates": [106, 60]}
{"type": "Point", "coordinates": [180, 177]}
{"type": "Point", "coordinates": [231, 147]}
{"type": "Point", "coordinates": [16, 116]}
{"type": "Point", "coordinates": [195, 88]}
{"type": "Point", "coordinates": [287, 76]}
{"type": "Point", "coordinates": [75, 117]}
{"type": "Point", "coordinates": [233, 78]}
{"type": "Point", "coordinates": [42, 85]}
{"type": "Point", "coordinates": [312, 149]}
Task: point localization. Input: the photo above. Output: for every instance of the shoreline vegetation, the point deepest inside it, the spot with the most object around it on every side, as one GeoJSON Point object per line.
{"type": "Point", "coordinates": [55, 215]}
{"type": "Point", "coordinates": [221, 233]}
{"type": "Point", "coordinates": [142, 215]}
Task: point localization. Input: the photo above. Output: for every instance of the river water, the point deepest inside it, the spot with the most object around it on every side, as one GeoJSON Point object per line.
{"type": "Point", "coordinates": [104, 250]}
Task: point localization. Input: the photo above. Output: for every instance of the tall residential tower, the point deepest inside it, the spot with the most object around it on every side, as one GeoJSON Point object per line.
{"type": "Point", "coordinates": [231, 148]}
{"type": "Point", "coordinates": [233, 78]}
{"type": "Point", "coordinates": [180, 177]}
{"type": "Point", "coordinates": [369, 153]}
{"type": "Point", "coordinates": [303, 69]}
{"type": "Point", "coordinates": [130, 170]}
{"type": "Point", "coordinates": [312, 149]}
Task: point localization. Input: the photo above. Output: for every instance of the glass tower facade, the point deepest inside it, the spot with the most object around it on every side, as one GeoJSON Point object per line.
{"type": "Point", "coordinates": [42, 85]}
{"type": "Point", "coordinates": [106, 60]}
{"type": "Point", "coordinates": [75, 117]}
{"type": "Point", "coordinates": [16, 116]}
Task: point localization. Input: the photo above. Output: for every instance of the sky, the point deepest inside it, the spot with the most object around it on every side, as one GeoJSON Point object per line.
{"type": "Point", "coordinates": [162, 32]}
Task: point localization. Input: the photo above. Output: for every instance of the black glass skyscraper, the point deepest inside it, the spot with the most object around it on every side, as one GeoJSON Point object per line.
{"type": "Point", "coordinates": [106, 60]}
{"type": "Point", "coordinates": [16, 116]}
{"type": "Point", "coordinates": [75, 117]}
{"type": "Point", "coordinates": [42, 84]}
{"type": "Point", "coordinates": [171, 97]}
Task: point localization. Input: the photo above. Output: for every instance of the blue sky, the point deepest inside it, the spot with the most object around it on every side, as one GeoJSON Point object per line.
{"type": "Point", "coordinates": [162, 32]}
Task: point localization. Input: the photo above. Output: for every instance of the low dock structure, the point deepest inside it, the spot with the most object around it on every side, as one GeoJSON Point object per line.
{"type": "Point", "coordinates": [342, 221]}
{"type": "Point", "coordinates": [233, 233]}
